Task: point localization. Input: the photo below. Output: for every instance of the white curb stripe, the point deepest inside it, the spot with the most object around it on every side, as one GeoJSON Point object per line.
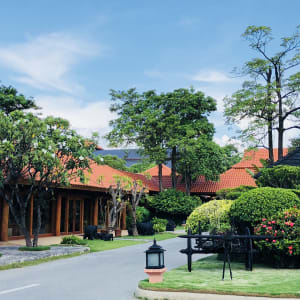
{"type": "Point", "coordinates": [19, 289]}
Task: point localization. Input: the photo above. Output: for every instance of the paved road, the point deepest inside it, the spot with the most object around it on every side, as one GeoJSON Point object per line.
{"type": "Point", "coordinates": [108, 275]}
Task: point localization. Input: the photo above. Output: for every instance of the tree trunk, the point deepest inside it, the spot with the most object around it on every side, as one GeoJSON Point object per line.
{"type": "Point", "coordinates": [173, 162]}
{"type": "Point", "coordinates": [280, 112]}
{"type": "Point", "coordinates": [270, 118]}
{"type": "Point", "coordinates": [134, 228]}
{"type": "Point", "coordinates": [160, 177]}
{"type": "Point", "coordinates": [188, 184]}
{"type": "Point", "coordinates": [38, 226]}
{"type": "Point", "coordinates": [270, 142]}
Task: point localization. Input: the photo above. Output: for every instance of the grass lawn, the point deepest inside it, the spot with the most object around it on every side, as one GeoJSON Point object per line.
{"type": "Point", "coordinates": [99, 245]}
{"type": "Point", "coordinates": [206, 277]}
{"type": "Point", "coordinates": [158, 236]}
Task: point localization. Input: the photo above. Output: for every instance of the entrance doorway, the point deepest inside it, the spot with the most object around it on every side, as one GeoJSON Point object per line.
{"type": "Point", "coordinates": [74, 216]}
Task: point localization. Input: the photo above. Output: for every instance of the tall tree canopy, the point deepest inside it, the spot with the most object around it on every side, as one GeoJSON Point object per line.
{"type": "Point", "coordinates": [158, 122]}
{"type": "Point", "coordinates": [36, 155]}
{"type": "Point", "coordinates": [270, 100]}
{"type": "Point", "coordinates": [11, 100]}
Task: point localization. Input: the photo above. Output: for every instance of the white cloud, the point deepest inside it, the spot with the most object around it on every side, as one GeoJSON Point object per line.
{"type": "Point", "coordinates": [211, 76]}
{"type": "Point", "coordinates": [44, 62]}
{"type": "Point", "coordinates": [226, 140]}
{"type": "Point", "coordinates": [84, 117]}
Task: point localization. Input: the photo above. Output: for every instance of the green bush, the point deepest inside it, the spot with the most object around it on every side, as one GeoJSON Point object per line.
{"type": "Point", "coordinates": [38, 248]}
{"type": "Point", "coordinates": [159, 225]}
{"type": "Point", "coordinates": [284, 249]}
{"type": "Point", "coordinates": [233, 193]}
{"type": "Point", "coordinates": [212, 215]}
{"type": "Point", "coordinates": [142, 214]}
{"type": "Point", "coordinates": [73, 240]}
{"type": "Point", "coordinates": [252, 206]}
{"type": "Point", "coordinates": [287, 177]}
{"type": "Point", "coordinates": [173, 204]}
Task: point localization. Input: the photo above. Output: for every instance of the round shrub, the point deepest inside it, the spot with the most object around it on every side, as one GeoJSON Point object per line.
{"type": "Point", "coordinates": [233, 193]}
{"type": "Point", "coordinates": [142, 214]}
{"type": "Point", "coordinates": [284, 249]}
{"type": "Point", "coordinates": [212, 215]}
{"type": "Point", "coordinates": [173, 204]}
{"type": "Point", "coordinates": [287, 177]}
{"type": "Point", "coordinates": [159, 225]}
{"type": "Point", "coordinates": [252, 206]}
{"type": "Point", "coordinates": [73, 240]}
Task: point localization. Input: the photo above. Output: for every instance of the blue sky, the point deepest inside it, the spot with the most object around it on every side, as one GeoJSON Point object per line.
{"type": "Point", "coordinates": [69, 54]}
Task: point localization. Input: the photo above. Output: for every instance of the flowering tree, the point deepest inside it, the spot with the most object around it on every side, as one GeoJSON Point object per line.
{"type": "Point", "coordinates": [37, 155]}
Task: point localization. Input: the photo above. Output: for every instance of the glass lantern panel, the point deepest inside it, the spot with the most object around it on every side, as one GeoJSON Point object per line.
{"type": "Point", "coordinates": [162, 259]}
{"type": "Point", "coordinates": [153, 260]}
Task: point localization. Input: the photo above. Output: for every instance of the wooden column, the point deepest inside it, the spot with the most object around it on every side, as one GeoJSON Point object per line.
{"type": "Point", "coordinates": [81, 214]}
{"type": "Point", "coordinates": [107, 213]}
{"type": "Point", "coordinates": [74, 215]}
{"type": "Point", "coordinates": [4, 221]}
{"type": "Point", "coordinates": [123, 227]}
{"type": "Point", "coordinates": [31, 214]}
{"type": "Point", "coordinates": [67, 214]}
{"type": "Point", "coordinates": [58, 215]}
{"type": "Point", "coordinates": [53, 216]}
{"type": "Point", "coordinates": [95, 219]}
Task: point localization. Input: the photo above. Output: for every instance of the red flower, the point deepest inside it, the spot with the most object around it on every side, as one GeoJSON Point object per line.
{"type": "Point", "coordinates": [270, 227]}
{"type": "Point", "coordinates": [292, 224]}
{"type": "Point", "coordinates": [263, 219]}
{"type": "Point", "coordinates": [264, 226]}
{"type": "Point", "coordinates": [287, 223]}
{"type": "Point", "coordinates": [273, 222]}
{"type": "Point", "coordinates": [274, 241]}
{"type": "Point", "coordinates": [290, 247]}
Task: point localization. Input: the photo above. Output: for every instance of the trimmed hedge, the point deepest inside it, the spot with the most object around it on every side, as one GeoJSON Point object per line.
{"type": "Point", "coordinates": [73, 240]}
{"type": "Point", "coordinates": [38, 248]}
{"type": "Point", "coordinates": [252, 206]}
{"type": "Point", "coordinates": [213, 215]}
{"type": "Point", "coordinates": [287, 177]}
{"type": "Point", "coordinates": [172, 204]}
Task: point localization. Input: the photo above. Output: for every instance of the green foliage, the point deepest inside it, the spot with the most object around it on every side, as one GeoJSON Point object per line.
{"type": "Point", "coordinates": [284, 249]}
{"type": "Point", "coordinates": [269, 97]}
{"type": "Point", "coordinates": [38, 248]}
{"type": "Point", "coordinates": [213, 215]}
{"type": "Point", "coordinates": [141, 167]}
{"type": "Point", "coordinates": [233, 193]}
{"type": "Point", "coordinates": [231, 156]}
{"type": "Point", "coordinates": [159, 225]}
{"type": "Point", "coordinates": [295, 143]}
{"type": "Point", "coordinates": [173, 204]}
{"type": "Point", "coordinates": [142, 214]}
{"type": "Point", "coordinates": [200, 157]}
{"type": "Point", "coordinates": [11, 100]}
{"type": "Point", "coordinates": [73, 240]}
{"type": "Point", "coordinates": [287, 177]}
{"type": "Point", "coordinates": [115, 162]}
{"type": "Point", "coordinates": [47, 152]}
{"type": "Point", "coordinates": [252, 206]}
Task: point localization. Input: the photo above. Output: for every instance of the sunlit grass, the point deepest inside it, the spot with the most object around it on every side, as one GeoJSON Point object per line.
{"type": "Point", "coordinates": [206, 277]}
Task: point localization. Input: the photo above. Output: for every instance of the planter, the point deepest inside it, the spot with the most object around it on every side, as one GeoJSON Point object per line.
{"type": "Point", "coordinates": [118, 232]}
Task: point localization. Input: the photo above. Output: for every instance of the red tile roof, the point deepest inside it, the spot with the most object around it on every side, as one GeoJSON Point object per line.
{"type": "Point", "coordinates": [103, 176]}
{"type": "Point", "coordinates": [166, 171]}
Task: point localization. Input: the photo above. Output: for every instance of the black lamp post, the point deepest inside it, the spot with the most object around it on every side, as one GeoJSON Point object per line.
{"type": "Point", "coordinates": [155, 257]}
{"type": "Point", "coordinates": [155, 263]}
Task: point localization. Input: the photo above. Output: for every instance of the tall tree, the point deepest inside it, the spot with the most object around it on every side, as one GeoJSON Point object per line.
{"type": "Point", "coordinates": [200, 157]}
{"type": "Point", "coordinates": [36, 156]}
{"type": "Point", "coordinates": [139, 122]}
{"type": "Point", "coordinates": [272, 98]}
{"type": "Point", "coordinates": [158, 123]}
{"type": "Point", "coordinates": [11, 100]}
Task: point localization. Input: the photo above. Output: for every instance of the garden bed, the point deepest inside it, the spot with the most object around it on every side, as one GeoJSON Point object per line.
{"type": "Point", "coordinates": [207, 273]}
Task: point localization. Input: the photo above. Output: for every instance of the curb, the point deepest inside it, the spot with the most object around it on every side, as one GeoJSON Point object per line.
{"type": "Point", "coordinates": [159, 295]}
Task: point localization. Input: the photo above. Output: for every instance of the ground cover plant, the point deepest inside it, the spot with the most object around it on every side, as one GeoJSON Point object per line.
{"type": "Point", "coordinates": [38, 248]}
{"type": "Point", "coordinates": [73, 240]}
{"type": "Point", "coordinates": [207, 273]}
